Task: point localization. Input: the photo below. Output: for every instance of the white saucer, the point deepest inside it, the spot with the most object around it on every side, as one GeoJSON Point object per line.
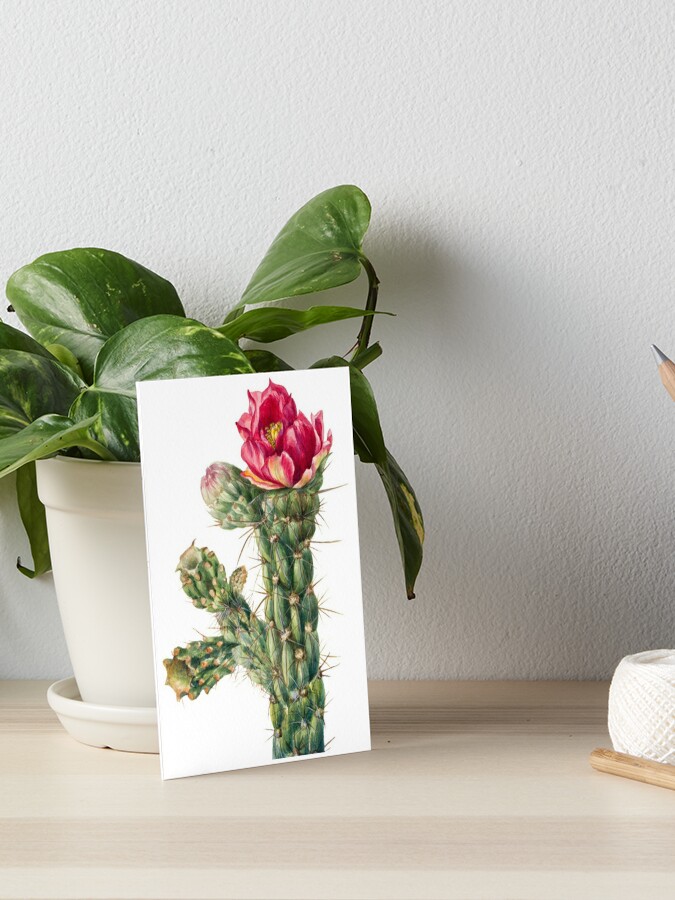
{"type": "Point", "coordinates": [132, 728]}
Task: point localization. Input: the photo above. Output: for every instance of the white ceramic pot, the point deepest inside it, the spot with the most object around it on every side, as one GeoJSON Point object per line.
{"type": "Point", "coordinates": [97, 542]}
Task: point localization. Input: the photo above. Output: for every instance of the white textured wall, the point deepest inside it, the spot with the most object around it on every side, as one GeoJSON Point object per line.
{"type": "Point", "coordinates": [519, 157]}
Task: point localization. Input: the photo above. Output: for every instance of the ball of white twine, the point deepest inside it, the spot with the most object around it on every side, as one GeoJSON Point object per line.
{"type": "Point", "coordinates": [642, 706]}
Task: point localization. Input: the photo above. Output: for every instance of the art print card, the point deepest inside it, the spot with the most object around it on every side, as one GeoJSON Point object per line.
{"type": "Point", "coordinates": [253, 557]}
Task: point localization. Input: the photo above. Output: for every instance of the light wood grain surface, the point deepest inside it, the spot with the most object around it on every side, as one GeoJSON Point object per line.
{"type": "Point", "coordinates": [473, 790]}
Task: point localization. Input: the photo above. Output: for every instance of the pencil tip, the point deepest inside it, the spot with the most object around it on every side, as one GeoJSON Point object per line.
{"type": "Point", "coordinates": [659, 356]}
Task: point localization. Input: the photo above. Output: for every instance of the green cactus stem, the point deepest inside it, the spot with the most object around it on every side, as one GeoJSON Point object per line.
{"type": "Point", "coordinates": [198, 667]}
{"type": "Point", "coordinates": [281, 653]}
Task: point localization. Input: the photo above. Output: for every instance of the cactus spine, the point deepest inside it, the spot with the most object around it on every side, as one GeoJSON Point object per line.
{"type": "Point", "coordinates": [281, 653]}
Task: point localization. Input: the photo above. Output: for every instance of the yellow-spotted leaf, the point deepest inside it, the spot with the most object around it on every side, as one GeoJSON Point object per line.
{"type": "Point", "coordinates": [154, 348]}
{"type": "Point", "coordinates": [32, 386]}
{"type": "Point", "coordinates": [81, 297]}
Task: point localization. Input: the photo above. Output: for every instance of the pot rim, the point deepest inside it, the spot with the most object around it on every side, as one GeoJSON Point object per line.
{"type": "Point", "coordinates": [96, 462]}
{"type": "Point", "coordinates": [103, 489]}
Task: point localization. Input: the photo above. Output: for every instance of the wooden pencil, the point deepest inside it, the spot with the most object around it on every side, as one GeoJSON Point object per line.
{"type": "Point", "coordinates": [666, 370]}
{"type": "Point", "coordinates": [634, 767]}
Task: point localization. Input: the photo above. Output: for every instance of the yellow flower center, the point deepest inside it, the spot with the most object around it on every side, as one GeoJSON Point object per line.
{"type": "Point", "coordinates": [272, 433]}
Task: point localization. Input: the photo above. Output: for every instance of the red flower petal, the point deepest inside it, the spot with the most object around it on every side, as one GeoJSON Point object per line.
{"type": "Point", "coordinates": [281, 470]}
{"type": "Point", "coordinates": [254, 457]}
{"type": "Point", "coordinates": [286, 401]}
{"type": "Point", "coordinates": [260, 482]}
{"type": "Point", "coordinates": [254, 400]}
{"type": "Point", "coordinates": [299, 441]}
{"type": "Point", "coordinates": [274, 404]}
{"type": "Point", "coordinates": [317, 424]}
{"type": "Point", "coordinates": [244, 425]}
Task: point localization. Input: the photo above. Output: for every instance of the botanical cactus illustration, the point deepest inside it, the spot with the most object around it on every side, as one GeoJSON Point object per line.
{"type": "Point", "coordinates": [277, 497]}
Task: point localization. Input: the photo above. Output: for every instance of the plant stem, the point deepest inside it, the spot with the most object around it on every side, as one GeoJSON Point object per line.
{"type": "Point", "coordinates": [370, 355]}
{"type": "Point", "coordinates": [371, 303]}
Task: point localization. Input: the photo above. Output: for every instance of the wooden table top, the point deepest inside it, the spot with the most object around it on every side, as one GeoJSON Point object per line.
{"type": "Point", "coordinates": [473, 790]}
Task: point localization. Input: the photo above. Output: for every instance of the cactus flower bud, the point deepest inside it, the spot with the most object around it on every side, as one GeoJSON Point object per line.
{"type": "Point", "coordinates": [218, 477]}
{"type": "Point", "coordinates": [230, 498]}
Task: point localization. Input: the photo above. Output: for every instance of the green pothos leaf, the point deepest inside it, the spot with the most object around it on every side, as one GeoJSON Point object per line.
{"type": "Point", "coordinates": [153, 348]}
{"type": "Point", "coordinates": [45, 437]}
{"type": "Point", "coordinates": [318, 248]}
{"type": "Point", "coordinates": [370, 446]}
{"type": "Point", "coordinates": [34, 521]}
{"type": "Point", "coordinates": [32, 386]}
{"type": "Point", "coordinates": [66, 358]}
{"type": "Point", "coordinates": [81, 297]}
{"type": "Point", "coordinates": [274, 323]}
{"type": "Point", "coordinates": [408, 519]}
{"type": "Point", "coordinates": [264, 361]}
{"type": "Point", "coordinates": [32, 383]}
{"type": "Point", "coordinates": [13, 339]}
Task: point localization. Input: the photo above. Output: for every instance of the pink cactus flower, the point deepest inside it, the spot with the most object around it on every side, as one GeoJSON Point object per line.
{"type": "Point", "coordinates": [282, 448]}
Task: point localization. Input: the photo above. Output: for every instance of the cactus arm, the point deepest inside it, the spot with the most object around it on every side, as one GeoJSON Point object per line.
{"type": "Point", "coordinates": [242, 634]}
{"type": "Point", "coordinates": [198, 667]}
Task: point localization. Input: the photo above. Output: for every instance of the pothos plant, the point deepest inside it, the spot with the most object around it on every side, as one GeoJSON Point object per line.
{"type": "Point", "coordinates": [98, 322]}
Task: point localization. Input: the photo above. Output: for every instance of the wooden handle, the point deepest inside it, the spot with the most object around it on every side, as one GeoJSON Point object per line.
{"type": "Point", "coordinates": [634, 767]}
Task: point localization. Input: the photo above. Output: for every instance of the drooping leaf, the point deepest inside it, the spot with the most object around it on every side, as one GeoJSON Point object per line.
{"type": "Point", "coordinates": [154, 348]}
{"type": "Point", "coordinates": [368, 437]}
{"type": "Point", "coordinates": [34, 521]}
{"type": "Point", "coordinates": [273, 323]}
{"type": "Point", "coordinates": [318, 248]}
{"type": "Point", "coordinates": [32, 386]}
{"type": "Point", "coordinates": [32, 383]}
{"type": "Point", "coordinates": [264, 361]}
{"type": "Point", "coordinates": [370, 446]}
{"type": "Point", "coordinates": [45, 437]}
{"type": "Point", "coordinates": [81, 297]}
{"type": "Point", "coordinates": [408, 520]}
